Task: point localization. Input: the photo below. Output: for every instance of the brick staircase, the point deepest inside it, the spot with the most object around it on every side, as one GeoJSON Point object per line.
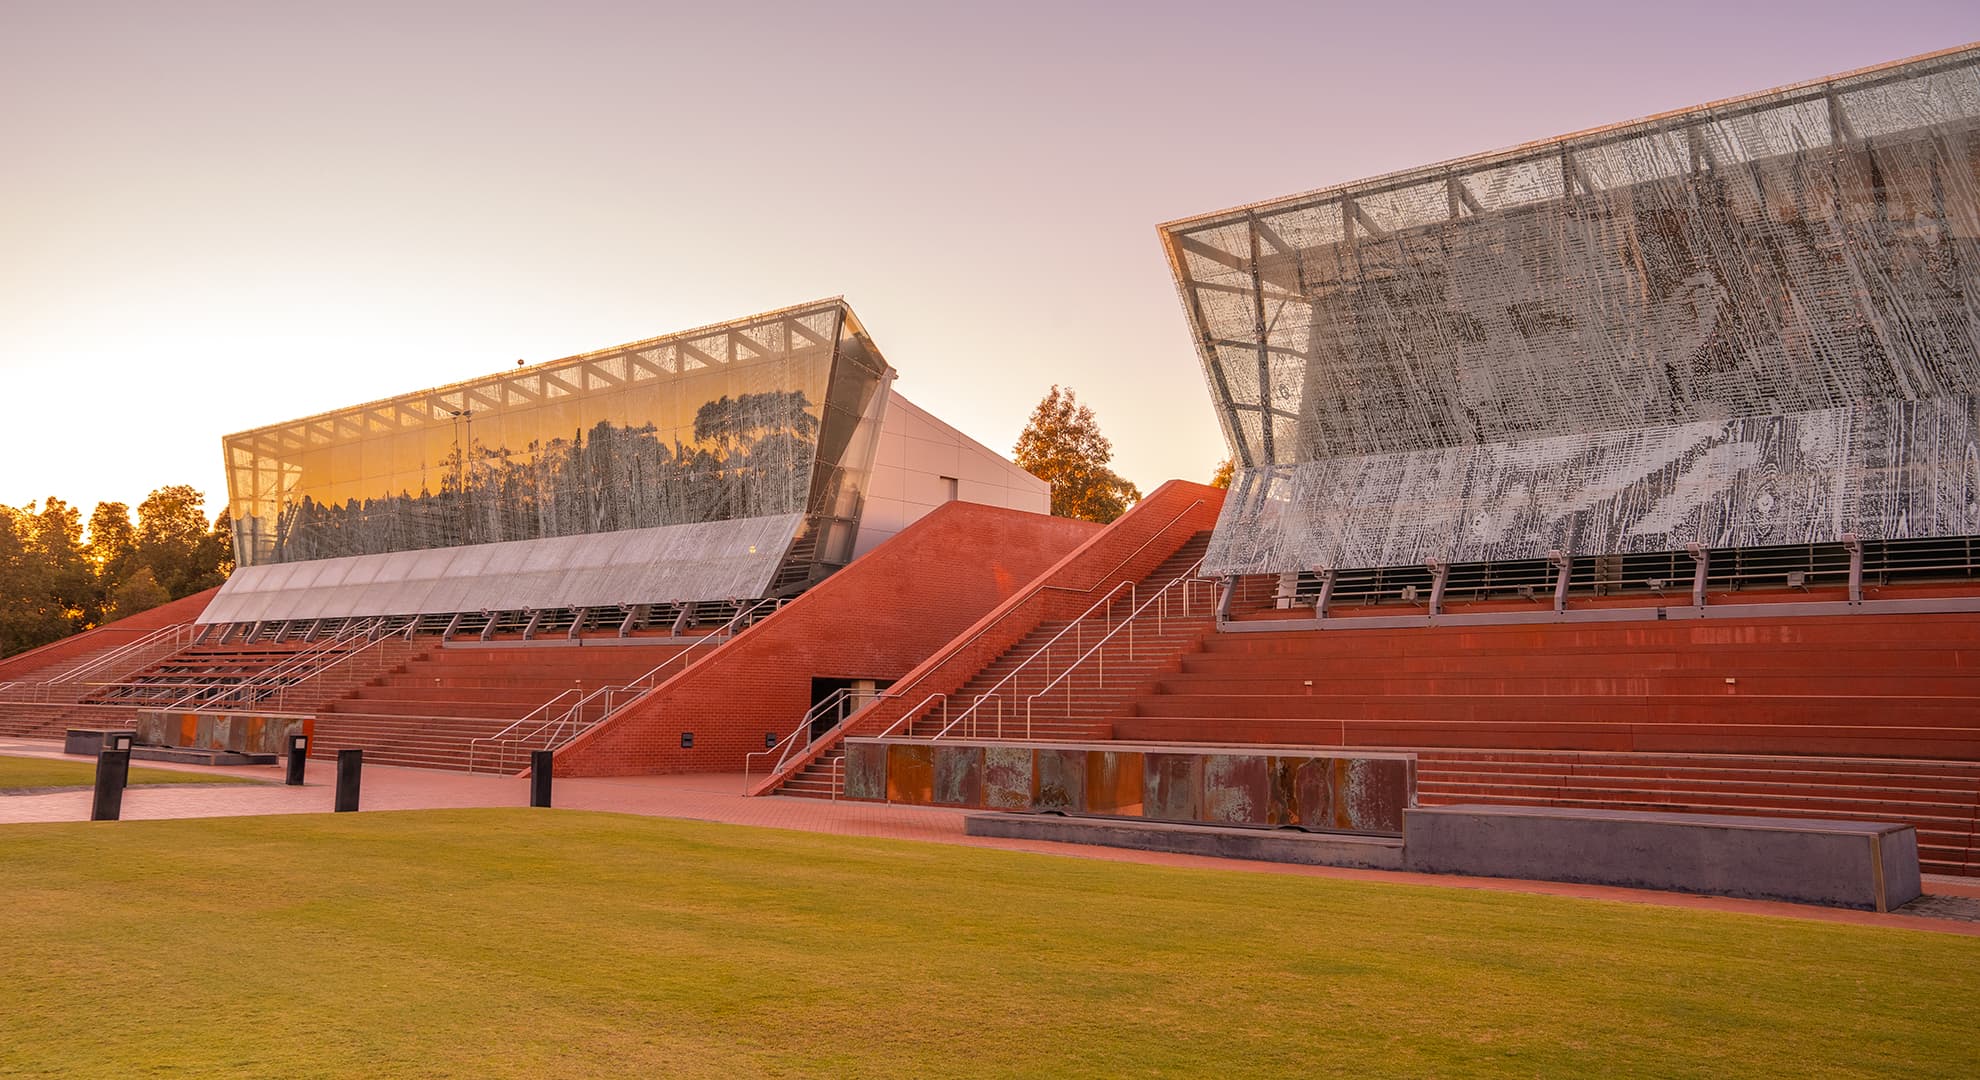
{"type": "Point", "coordinates": [1873, 686]}
{"type": "Point", "coordinates": [49, 699]}
{"type": "Point", "coordinates": [1081, 711]}
{"type": "Point", "coordinates": [1868, 717]}
{"type": "Point", "coordinates": [179, 676]}
{"type": "Point", "coordinates": [428, 713]}
{"type": "Point", "coordinates": [305, 674]}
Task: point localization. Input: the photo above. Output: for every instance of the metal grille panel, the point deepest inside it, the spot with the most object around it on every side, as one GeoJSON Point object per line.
{"type": "Point", "coordinates": [1756, 321]}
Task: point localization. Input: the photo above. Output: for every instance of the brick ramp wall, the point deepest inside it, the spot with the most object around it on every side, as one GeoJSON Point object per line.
{"type": "Point", "coordinates": [1129, 549]}
{"type": "Point", "coordinates": [56, 656]}
{"type": "Point", "coordinates": [876, 619]}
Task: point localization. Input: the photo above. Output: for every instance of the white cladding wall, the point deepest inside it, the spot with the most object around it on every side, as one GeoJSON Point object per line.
{"type": "Point", "coordinates": [917, 459]}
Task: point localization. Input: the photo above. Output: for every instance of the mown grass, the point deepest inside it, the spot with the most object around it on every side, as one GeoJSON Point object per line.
{"type": "Point", "coordinates": [27, 773]}
{"type": "Point", "coordinates": [555, 943]}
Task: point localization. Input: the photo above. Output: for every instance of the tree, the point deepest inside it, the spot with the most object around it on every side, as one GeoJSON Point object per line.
{"type": "Point", "coordinates": [112, 542]}
{"type": "Point", "coordinates": [53, 584]}
{"type": "Point", "coordinates": [216, 553]}
{"type": "Point", "coordinates": [1222, 477]}
{"type": "Point", "coordinates": [1061, 444]}
{"type": "Point", "coordinates": [176, 542]}
{"type": "Point", "coordinates": [138, 592]}
{"type": "Point", "coordinates": [31, 611]}
{"type": "Point", "coordinates": [54, 534]}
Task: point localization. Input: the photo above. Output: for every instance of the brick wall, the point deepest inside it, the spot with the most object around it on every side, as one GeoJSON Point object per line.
{"type": "Point", "coordinates": [876, 619]}
{"type": "Point", "coordinates": [35, 663]}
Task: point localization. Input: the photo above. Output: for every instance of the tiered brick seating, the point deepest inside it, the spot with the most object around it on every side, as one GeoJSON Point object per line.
{"type": "Point", "coordinates": [1872, 717]}
{"type": "Point", "coordinates": [236, 676]}
{"type": "Point", "coordinates": [1940, 798]}
{"type": "Point", "coordinates": [428, 713]}
{"type": "Point", "coordinates": [213, 676]}
{"type": "Point", "coordinates": [1887, 685]}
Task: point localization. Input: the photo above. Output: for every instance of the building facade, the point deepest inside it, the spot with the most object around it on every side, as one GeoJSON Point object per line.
{"type": "Point", "coordinates": [1751, 325]}
{"type": "Point", "coordinates": [727, 463]}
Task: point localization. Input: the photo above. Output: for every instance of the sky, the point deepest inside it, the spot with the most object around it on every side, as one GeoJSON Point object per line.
{"type": "Point", "coordinates": [218, 216]}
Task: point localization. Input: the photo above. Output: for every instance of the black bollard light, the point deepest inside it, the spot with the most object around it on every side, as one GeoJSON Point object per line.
{"type": "Point", "coordinates": [539, 777]}
{"type": "Point", "coordinates": [350, 765]}
{"type": "Point", "coordinates": [113, 768]}
{"type": "Point", "coordinates": [298, 757]}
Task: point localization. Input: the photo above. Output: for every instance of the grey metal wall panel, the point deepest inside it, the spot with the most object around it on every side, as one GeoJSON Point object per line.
{"type": "Point", "coordinates": [716, 560]}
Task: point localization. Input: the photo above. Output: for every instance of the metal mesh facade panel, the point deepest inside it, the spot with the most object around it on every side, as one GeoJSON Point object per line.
{"type": "Point", "coordinates": [670, 564]}
{"type": "Point", "coordinates": [759, 418]}
{"type": "Point", "coordinates": [1468, 360]}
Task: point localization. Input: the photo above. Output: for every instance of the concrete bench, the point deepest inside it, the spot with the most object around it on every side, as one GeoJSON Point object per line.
{"type": "Point", "coordinates": [1857, 864]}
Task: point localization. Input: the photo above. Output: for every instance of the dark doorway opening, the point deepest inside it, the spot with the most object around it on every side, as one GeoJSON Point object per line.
{"type": "Point", "coordinates": [829, 709]}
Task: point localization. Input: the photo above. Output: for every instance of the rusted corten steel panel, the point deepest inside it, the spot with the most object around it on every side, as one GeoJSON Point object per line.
{"type": "Point", "coordinates": [1172, 787]}
{"type": "Point", "coordinates": [1007, 777]}
{"type": "Point", "coordinates": [911, 774]}
{"type": "Point", "coordinates": [1237, 790]}
{"type": "Point", "coordinates": [1114, 783]}
{"type": "Point", "coordinates": [1061, 780]}
{"type": "Point", "coordinates": [241, 734]}
{"type": "Point", "coordinates": [959, 776]}
{"type": "Point", "coordinates": [866, 771]}
{"type": "Point", "coordinates": [1339, 791]}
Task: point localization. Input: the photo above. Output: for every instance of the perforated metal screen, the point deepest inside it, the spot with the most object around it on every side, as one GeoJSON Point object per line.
{"type": "Point", "coordinates": [1580, 343]}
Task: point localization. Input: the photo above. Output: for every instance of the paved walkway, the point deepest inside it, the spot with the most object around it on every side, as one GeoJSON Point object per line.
{"type": "Point", "coordinates": [718, 797]}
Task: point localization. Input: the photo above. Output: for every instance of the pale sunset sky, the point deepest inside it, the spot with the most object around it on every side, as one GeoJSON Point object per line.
{"type": "Point", "coordinates": [215, 216]}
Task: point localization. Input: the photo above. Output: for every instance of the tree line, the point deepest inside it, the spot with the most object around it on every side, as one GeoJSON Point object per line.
{"type": "Point", "coordinates": [57, 579]}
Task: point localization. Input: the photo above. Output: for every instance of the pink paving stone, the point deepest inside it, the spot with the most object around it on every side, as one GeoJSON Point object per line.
{"type": "Point", "coordinates": [718, 797]}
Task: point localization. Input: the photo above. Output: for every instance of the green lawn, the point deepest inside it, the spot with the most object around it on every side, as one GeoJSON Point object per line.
{"type": "Point", "coordinates": [17, 773]}
{"type": "Point", "coordinates": [526, 943]}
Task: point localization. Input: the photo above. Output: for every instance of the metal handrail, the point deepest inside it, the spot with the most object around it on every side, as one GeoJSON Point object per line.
{"type": "Point", "coordinates": [1190, 575]}
{"type": "Point", "coordinates": [475, 744]}
{"type": "Point", "coordinates": [176, 631]}
{"type": "Point", "coordinates": [224, 690]}
{"type": "Point", "coordinates": [935, 663]}
{"type": "Point", "coordinates": [282, 692]}
{"type": "Point", "coordinates": [790, 742]}
{"type": "Point", "coordinates": [723, 633]}
{"type": "Point", "coordinates": [118, 653]}
{"type": "Point", "coordinates": [555, 726]}
{"type": "Point", "coordinates": [993, 693]}
{"type": "Point", "coordinates": [275, 677]}
{"type": "Point", "coordinates": [269, 679]}
{"type": "Point", "coordinates": [908, 716]}
{"type": "Point", "coordinates": [642, 684]}
{"type": "Point", "coordinates": [72, 684]}
{"type": "Point", "coordinates": [1045, 650]}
